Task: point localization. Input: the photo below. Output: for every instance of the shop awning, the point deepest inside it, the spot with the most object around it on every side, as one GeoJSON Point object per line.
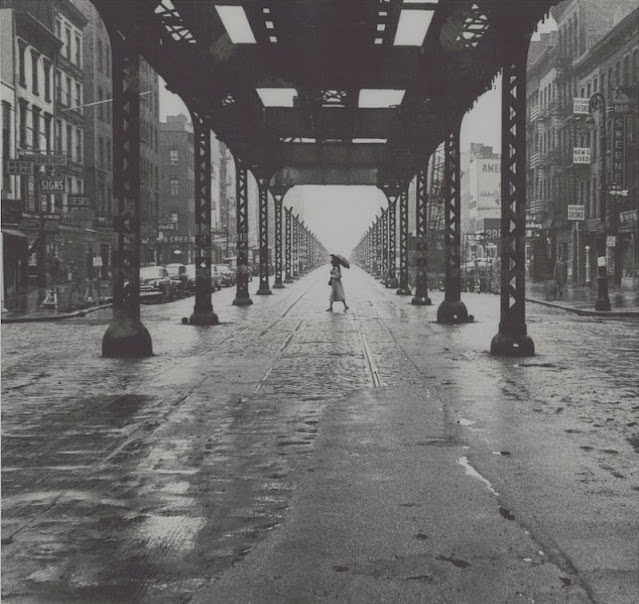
{"type": "Point", "coordinates": [13, 233]}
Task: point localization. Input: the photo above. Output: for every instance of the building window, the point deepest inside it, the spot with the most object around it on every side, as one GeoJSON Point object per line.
{"type": "Point", "coordinates": [68, 92]}
{"type": "Point", "coordinates": [34, 72]}
{"type": "Point", "coordinates": [67, 43]}
{"type": "Point", "coordinates": [78, 51]}
{"type": "Point", "coordinates": [173, 156]}
{"type": "Point", "coordinates": [47, 132]}
{"type": "Point", "coordinates": [35, 134]}
{"type": "Point", "coordinates": [6, 144]}
{"type": "Point", "coordinates": [69, 143]}
{"type": "Point", "coordinates": [174, 187]}
{"type": "Point", "coordinates": [58, 86]}
{"type": "Point", "coordinates": [58, 29]}
{"type": "Point", "coordinates": [107, 59]}
{"type": "Point", "coordinates": [78, 145]}
{"type": "Point", "coordinates": [78, 96]}
{"type": "Point", "coordinates": [47, 80]}
{"type": "Point", "coordinates": [635, 66]}
{"type": "Point", "coordinates": [109, 156]}
{"type": "Point", "coordinates": [100, 152]}
{"type": "Point", "coordinates": [100, 105]}
{"type": "Point", "coordinates": [100, 68]}
{"type": "Point", "coordinates": [23, 124]}
{"type": "Point", "coordinates": [58, 136]}
{"type": "Point", "coordinates": [21, 66]}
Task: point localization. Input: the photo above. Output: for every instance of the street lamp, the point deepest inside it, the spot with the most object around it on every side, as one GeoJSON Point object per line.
{"type": "Point", "coordinates": [598, 102]}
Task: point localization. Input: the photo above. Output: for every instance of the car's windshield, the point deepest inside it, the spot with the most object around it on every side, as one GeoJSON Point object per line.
{"type": "Point", "coordinates": [152, 272]}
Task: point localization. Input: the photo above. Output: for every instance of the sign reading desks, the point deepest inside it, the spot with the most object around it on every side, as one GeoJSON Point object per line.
{"type": "Point", "coordinates": [576, 212]}
{"type": "Point", "coordinates": [51, 184]}
{"type": "Point", "coordinates": [581, 155]}
{"type": "Point", "coordinates": [581, 106]}
{"type": "Point", "coordinates": [78, 201]}
{"type": "Point", "coordinates": [19, 167]}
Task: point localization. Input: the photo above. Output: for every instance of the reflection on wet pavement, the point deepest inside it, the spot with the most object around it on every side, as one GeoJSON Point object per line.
{"type": "Point", "coordinates": [139, 481]}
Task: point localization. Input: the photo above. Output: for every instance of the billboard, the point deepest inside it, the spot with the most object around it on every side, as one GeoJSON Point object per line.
{"type": "Point", "coordinates": [485, 189]}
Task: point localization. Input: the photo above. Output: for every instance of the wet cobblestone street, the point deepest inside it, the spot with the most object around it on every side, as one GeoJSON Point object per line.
{"type": "Point", "coordinates": [147, 480]}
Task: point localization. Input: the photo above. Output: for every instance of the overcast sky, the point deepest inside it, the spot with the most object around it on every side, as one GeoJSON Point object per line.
{"type": "Point", "coordinates": [340, 215]}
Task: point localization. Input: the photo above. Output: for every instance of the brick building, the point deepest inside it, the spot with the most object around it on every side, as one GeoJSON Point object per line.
{"type": "Point", "coordinates": [563, 146]}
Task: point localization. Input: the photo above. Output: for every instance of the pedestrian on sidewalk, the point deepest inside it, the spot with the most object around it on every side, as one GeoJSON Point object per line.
{"type": "Point", "coordinates": [560, 275]}
{"type": "Point", "coordinates": [335, 281]}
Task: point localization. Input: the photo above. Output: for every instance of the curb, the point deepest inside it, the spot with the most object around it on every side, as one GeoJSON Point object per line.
{"type": "Point", "coordinates": [613, 314]}
{"type": "Point", "coordinates": [58, 317]}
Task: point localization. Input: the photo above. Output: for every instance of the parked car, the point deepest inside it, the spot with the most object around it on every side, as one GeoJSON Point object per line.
{"type": "Point", "coordinates": [216, 279]}
{"type": "Point", "coordinates": [156, 284]}
{"type": "Point", "coordinates": [225, 274]}
{"type": "Point", "coordinates": [177, 273]}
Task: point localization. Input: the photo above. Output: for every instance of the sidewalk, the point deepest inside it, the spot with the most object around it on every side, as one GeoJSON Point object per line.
{"type": "Point", "coordinates": [581, 300]}
{"type": "Point", "coordinates": [49, 315]}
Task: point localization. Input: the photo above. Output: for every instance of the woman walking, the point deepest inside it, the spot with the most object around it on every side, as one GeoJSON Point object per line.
{"type": "Point", "coordinates": [335, 281]}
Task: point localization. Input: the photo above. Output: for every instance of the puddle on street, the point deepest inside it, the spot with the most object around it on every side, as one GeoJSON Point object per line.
{"type": "Point", "coordinates": [176, 533]}
{"type": "Point", "coordinates": [471, 471]}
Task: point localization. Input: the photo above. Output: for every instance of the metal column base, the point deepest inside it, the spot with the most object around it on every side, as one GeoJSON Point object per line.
{"type": "Point", "coordinates": [421, 301]}
{"type": "Point", "coordinates": [392, 282]}
{"type": "Point", "coordinates": [512, 346]}
{"type": "Point", "coordinates": [246, 301]}
{"type": "Point", "coordinates": [278, 285]}
{"type": "Point", "coordinates": [126, 338]}
{"type": "Point", "coordinates": [288, 280]}
{"type": "Point", "coordinates": [404, 291]}
{"type": "Point", "coordinates": [264, 291]}
{"type": "Point", "coordinates": [603, 298]}
{"type": "Point", "coordinates": [453, 312]}
{"type": "Point", "coordinates": [202, 318]}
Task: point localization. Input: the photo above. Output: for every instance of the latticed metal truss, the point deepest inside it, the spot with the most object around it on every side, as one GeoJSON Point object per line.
{"type": "Point", "coordinates": [326, 55]}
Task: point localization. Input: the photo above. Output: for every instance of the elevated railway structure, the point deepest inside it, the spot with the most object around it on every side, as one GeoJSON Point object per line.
{"type": "Point", "coordinates": [343, 92]}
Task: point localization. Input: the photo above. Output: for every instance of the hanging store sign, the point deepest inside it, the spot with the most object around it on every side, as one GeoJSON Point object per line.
{"type": "Point", "coordinates": [78, 201]}
{"type": "Point", "coordinates": [50, 159]}
{"type": "Point", "coordinates": [581, 106]}
{"type": "Point", "coordinates": [167, 226]}
{"type": "Point", "coordinates": [19, 167]}
{"type": "Point", "coordinates": [618, 132]}
{"type": "Point", "coordinates": [581, 155]}
{"type": "Point", "coordinates": [49, 184]}
{"type": "Point", "coordinates": [576, 212]}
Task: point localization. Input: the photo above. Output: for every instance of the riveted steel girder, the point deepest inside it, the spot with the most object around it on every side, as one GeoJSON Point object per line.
{"type": "Point", "coordinates": [404, 289]}
{"type": "Point", "coordinates": [278, 197]}
{"type": "Point", "coordinates": [512, 338]}
{"type": "Point", "coordinates": [262, 186]}
{"type": "Point", "coordinates": [421, 212]}
{"type": "Point", "coordinates": [289, 245]}
{"type": "Point", "coordinates": [242, 297]}
{"type": "Point", "coordinates": [126, 336]}
{"type": "Point", "coordinates": [203, 309]}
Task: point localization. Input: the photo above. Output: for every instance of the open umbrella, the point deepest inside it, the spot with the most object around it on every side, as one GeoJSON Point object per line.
{"type": "Point", "coordinates": [345, 263]}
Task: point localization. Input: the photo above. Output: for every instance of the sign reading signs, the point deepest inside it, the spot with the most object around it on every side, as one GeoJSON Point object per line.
{"type": "Point", "coordinates": [50, 184]}
{"type": "Point", "coordinates": [581, 106]}
{"type": "Point", "coordinates": [581, 155]}
{"type": "Point", "coordinates": [576, 212]}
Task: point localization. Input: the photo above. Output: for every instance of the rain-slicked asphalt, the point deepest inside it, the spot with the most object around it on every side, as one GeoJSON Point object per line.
{"type": "Point", "coordinates": [295, 455]}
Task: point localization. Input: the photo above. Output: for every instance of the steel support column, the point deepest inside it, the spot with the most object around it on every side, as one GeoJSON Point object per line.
{"type": "Point", "coordinates": [289, 226]}
{"type": "Point", "coordinates": [203, 309]}
{"type": "Point", "coordinates": [242, 297]}
{"type": "Point", "coordinates": [512, 338]}
{"type": "Point", "coordinates": [391, 280]}
{"type": "Point", "coordinates": [126, 336]}
{"type": "Point", "coordinates": [262, 187]}
{"type": "Point", "coordinates": [421, 211]}
{"type": "Point", "coordinates": [278, 197]}
{"type": "Point", "coordinates": [452, 309]}
{"type": "Point", "coordinates": [404, 289]}
{"type": "Point", "coordinates": [294, 267]}
{"type": "Point", "coordinates": [378, 246]}
{"type": "Point", "coordinates": [384, 224]}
